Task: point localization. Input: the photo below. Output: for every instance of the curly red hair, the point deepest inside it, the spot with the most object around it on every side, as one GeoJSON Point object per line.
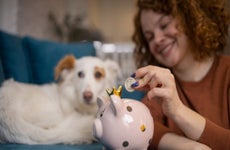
{"type": "Point", "coordinates": [205, 22]}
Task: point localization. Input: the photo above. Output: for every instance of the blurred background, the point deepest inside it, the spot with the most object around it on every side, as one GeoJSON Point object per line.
{"type": "Point", "coordinates": [108, 21]}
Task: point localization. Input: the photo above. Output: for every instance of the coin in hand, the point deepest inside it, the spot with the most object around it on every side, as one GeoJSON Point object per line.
{"type": "Point", "coordinates": [128, 82]}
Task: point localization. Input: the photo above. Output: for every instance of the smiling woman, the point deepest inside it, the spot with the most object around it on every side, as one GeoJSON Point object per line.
{"type": "Point", "coordinates": [179, 46]}
{"type": "Point", "coordinates": [161, 26]}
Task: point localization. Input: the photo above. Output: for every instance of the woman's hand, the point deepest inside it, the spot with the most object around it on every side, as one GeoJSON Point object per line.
{"type": "Point", "coordinates": [160, 84]}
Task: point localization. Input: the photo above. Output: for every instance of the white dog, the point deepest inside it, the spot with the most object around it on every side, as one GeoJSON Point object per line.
{"type": "Point", "coordinates": [60, 112]}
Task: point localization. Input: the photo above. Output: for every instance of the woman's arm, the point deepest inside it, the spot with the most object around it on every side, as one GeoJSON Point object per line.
{"type": "Point", "coordinates": [162, 88]}
{"type": "Point", "coordinates": [190, 122]}
{"type": "Point", "coordinates": [171, 141]}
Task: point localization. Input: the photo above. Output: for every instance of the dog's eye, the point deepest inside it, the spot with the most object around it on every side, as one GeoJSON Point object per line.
{"type": "Point", "coordinates": [81, 74]}
{"type": "Point", "coordinates": [98, 75]}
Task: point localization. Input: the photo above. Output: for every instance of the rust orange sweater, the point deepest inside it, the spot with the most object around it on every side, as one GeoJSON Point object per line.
{"type": "Point", "coordinates": [210, 97]}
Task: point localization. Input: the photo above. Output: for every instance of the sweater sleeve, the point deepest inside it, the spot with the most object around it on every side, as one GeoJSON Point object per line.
{"type": "Point", "coordinates": [215, 136]}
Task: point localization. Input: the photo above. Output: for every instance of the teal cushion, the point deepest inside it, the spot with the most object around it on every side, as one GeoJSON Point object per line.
{"type": "Point", "coordinates": [136, 95]}
{"type": "Point", "coordinates": [14, 60]}
{"type": "Point", "coordinates": [93, 146]}
{"type": "Point", "coordinates": [44, 56]}
{"type": "Point", "coordinates": [2, 76]}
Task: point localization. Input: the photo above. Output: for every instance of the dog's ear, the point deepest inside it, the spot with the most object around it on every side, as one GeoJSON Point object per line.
{"type": "Point", "coordinates": [67, 63]}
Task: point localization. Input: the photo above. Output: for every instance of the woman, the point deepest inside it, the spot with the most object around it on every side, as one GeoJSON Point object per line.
{"type": "Point", "coordinates": [187, 80]}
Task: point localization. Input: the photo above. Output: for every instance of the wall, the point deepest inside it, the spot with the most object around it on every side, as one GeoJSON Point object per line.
{"type": "Point", "coordinates": [8, 15]}
{"type": "Point", "coordinates": [30, 17]}
{"type": "Point", "coordinates": [114, 18]}
{"type": "Point", "coordinates": [33, 17]}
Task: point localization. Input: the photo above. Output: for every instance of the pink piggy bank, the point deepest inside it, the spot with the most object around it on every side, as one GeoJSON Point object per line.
{"type": "Point", "coordinates": [123, 124]}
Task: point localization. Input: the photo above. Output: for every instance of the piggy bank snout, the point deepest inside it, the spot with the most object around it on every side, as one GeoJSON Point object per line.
{"type": "Point", "coordinates": [97, 129]}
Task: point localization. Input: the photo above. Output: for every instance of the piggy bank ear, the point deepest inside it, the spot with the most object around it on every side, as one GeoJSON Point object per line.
{"type": "Point", "coordinates": [116, 105]}
{"type": "Point", "coordinates": [100, 102]}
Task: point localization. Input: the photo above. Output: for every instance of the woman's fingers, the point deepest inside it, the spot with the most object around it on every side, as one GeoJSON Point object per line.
{"type": "Point", "coordinates": [156, 93]}
{"type": "Point", "coordinates": [152, 76]}
{"type": "Point", "coordinates": [144, 80]}
{"type": "Point", "coordinates": [144, 75]}
{"type": "Point", "coordinates": [161, 87]}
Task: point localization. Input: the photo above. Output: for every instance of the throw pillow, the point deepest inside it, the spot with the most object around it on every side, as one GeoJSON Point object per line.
{"type": "Point", "coordinates": [44, 56]}
{"type": "Point", "coordinates": [14, 60]}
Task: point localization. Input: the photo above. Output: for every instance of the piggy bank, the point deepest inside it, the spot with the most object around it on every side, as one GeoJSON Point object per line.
{"type": "Point", "coordinates": [123, 124]}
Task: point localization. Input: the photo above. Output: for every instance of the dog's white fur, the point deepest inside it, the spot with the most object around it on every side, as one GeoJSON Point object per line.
{"type": "Point", "coordinates": [60, 112]}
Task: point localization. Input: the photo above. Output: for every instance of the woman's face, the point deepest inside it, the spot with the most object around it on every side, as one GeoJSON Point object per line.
{"type": "Point", "coordinates": [167, 44]}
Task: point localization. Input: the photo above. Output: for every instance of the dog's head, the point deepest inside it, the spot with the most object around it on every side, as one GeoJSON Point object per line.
{"type": "Point", "coordinates": [83, 80]}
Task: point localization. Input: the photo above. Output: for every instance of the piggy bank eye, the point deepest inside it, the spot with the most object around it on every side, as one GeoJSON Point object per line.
{"type": "Point", "coordinates": [81, 74]}
{"type": "Point", "coordinates": [102, 112]}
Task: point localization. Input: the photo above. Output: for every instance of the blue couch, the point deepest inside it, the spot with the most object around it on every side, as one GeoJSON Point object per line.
{"type": "Point", "coordinates": [31, 60]}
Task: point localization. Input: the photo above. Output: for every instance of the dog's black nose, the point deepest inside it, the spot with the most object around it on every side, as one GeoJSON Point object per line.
{"type": "Point", "coordinates": [87, 95]}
